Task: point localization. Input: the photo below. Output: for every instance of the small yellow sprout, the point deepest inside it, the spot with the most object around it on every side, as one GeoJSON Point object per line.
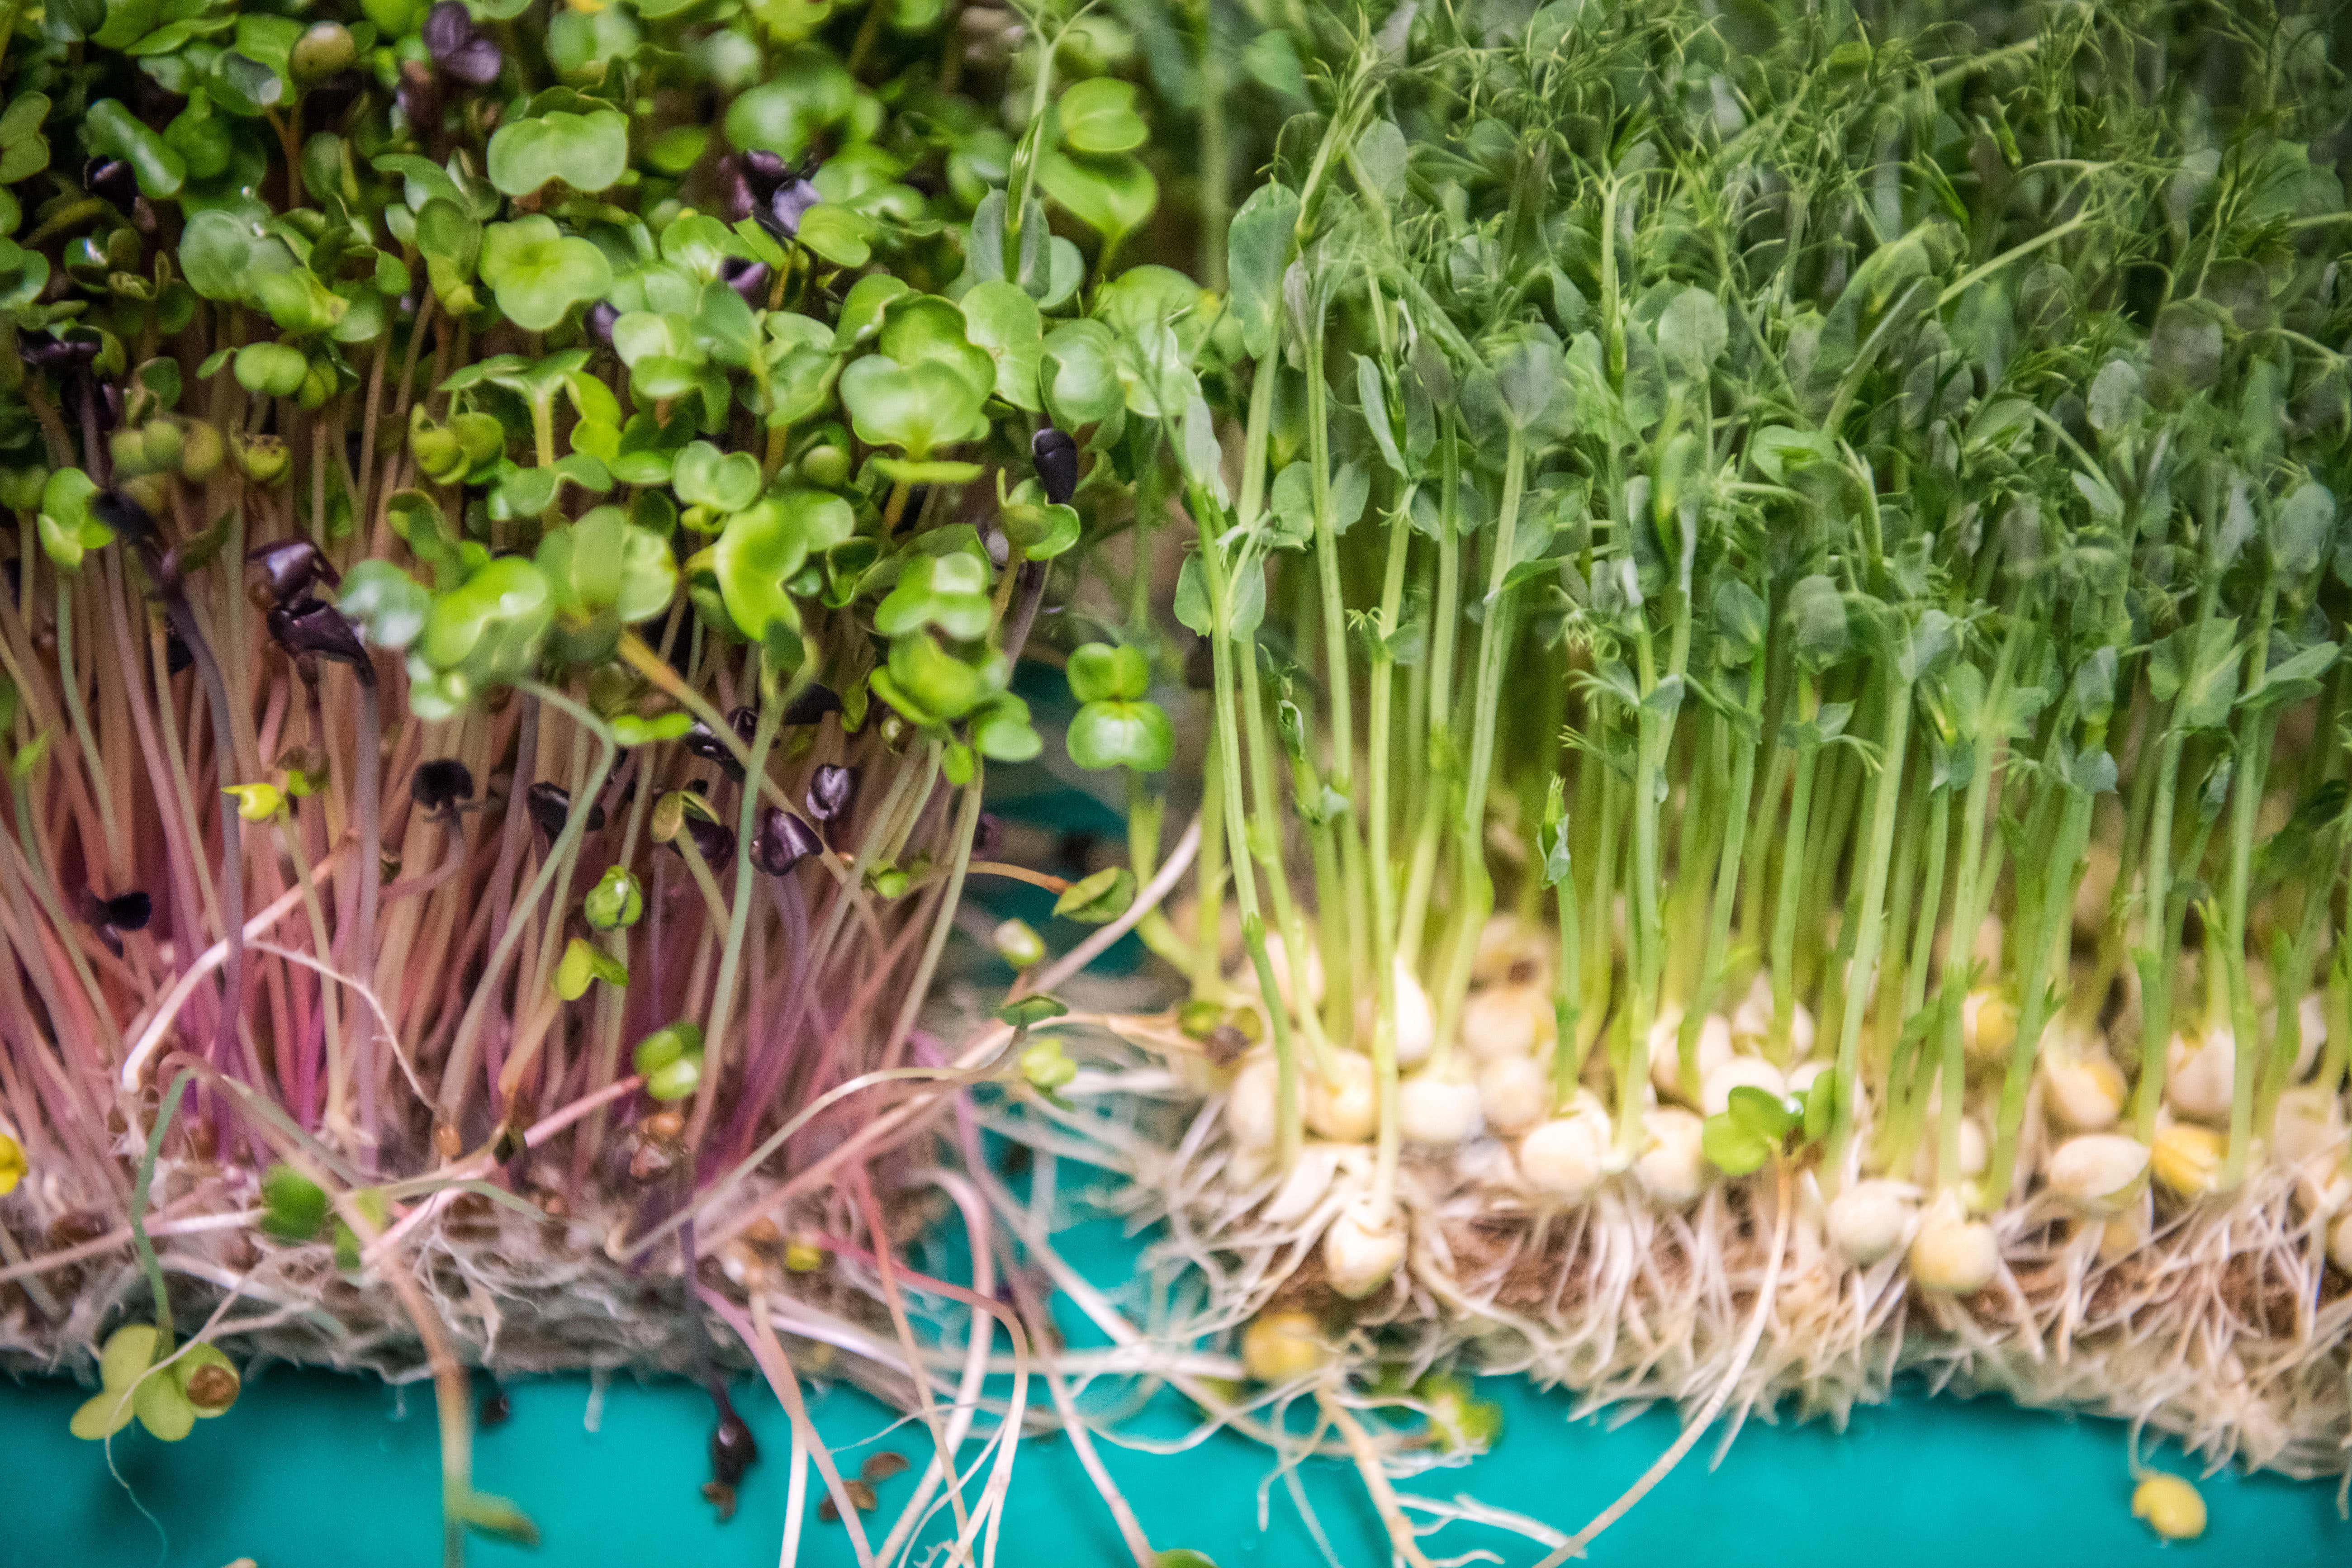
{"type": "Point", "coordinates": [803, 1256]}
{"type": "Point", "coordinates": [13, 1166]}
{"type": "Point", "coordinates": [2171, 1507]}
{"type": "Point", "coordinates": [1283, 1347]}
{"type": "Point", "coordinates": [2188, 1159]}
{"type": "Point", "coordinates": [256, 802]}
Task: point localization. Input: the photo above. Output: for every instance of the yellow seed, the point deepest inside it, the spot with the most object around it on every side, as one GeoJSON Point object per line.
{"type": "Point", "coordinates": [2188, 1159]}
{"type": "Point", "coordinates": [12, 1164]}
{"type": "Point", "coordinates": [803, 1256]}
{"type": "Point", "coordinates": [1282, 1347]}
{"type": "Point", "coordinates": [2171, 1507]}
{"type": "Point", "coordinates": [1988, 1023]}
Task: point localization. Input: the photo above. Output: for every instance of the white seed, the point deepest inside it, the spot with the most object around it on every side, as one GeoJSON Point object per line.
{"type": "Point", "coordinates": [2310, 1126]}
{"type": "Point", "coordinates": [2095, 1171]}
{"type": "Point", "coordinates": [1804, 1074]}
{"type": "Point", "coordinates": [1363, 1249]}
{"type": "Point", "coordinates": [2201, 1075]}
{"type": "Point", "coordinates": [2311, 1017]}
{"type": "Point", "coordinates": [1252, 1105]}
{"type": "Point", "coordinates": [1988, 1024]}
{"type": "Point", "coordinates": [1513, 1020]}
{"type": "Point", "coordinates": [1673, 1170]}
{"type": "Point", "coordinates": [1514, 1093]}
{"type": "Point", "coordinates": [1347, 1106]}
{"type": "Point", "coordinates": [1953, 1253]}
{"type": "Point", "coordinates": [1510, 948]}
{"type": "Point", "coordinates": [1752, 1072]}
{"type": "Point", "coordinates": [2311, 1030]}
{"type": "Point", "coordinates": [1665, 1051]}
{"type": "Point", "coordinates": [1869, 1220]}
{"type": "Point", "coordinates": [2339, 1244]}
{"type": "Point", "coordinates": [2100, 864]}
{"type": "Point", "coordinates": [1310, 1177]}
{"type": "Point", "coordinates": [1751, 1024]}
{"type": "Point", "coordinates": [1566, 1158]}
{"type": "Point", "coordinates": [2084, 1093]}
{"type": "Point", "coordinates": [1440, 1111]}
{"type": "Point", "coordinates": [1416, 1026]}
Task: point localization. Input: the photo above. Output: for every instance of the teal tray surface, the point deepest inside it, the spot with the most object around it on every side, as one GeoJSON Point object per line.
{"type": "Point", "coordinates": [313, 1470]}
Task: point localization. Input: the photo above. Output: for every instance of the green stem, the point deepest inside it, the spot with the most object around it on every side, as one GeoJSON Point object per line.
{"type": "Point", "coordinates": [1475, 890]}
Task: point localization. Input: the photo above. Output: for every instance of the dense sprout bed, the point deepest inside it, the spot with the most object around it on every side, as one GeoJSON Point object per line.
{"type": "Point", "coordinates": [1718, 630]}
{"type": "Point", "coordinates": [1784, 581]}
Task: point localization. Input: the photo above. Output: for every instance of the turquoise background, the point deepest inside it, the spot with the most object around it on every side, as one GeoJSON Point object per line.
{"type": "Point", "coordinates": [313, 1470]}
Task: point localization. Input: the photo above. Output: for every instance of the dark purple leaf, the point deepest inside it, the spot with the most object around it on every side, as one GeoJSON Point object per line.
{"type": "Point", "coordinates": [747, 278]}
{"type": "Point", "coordinates": [310, 626]}
{"type": "Point", "coordinates": [732, 1449]}
{"type": "Point", "coordinates": [551, 808]}
{"type": "Point", "coordinates": [290, 567]}
{"type": "Point", "coordinates": [112, 179]}
{"type": "Point", "coordinates": [440, 784]}
{"type": "Point", "coordinates": [782, 842]}
{"type": "Point", "coordinates": [831, 790]}
{"type": "Point", "coordinates": [1055, 456]}
{"type": "Point", "coordinates": [813, 702]}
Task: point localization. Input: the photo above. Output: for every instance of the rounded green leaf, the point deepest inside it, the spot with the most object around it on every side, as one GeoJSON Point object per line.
{"type": "Point", "coordinates": [762, 548]}
{"type": "Point", "coordinates": [221, 254]}
{"type": "Point", "coordinates": [617, 901]}
{"type": "Point", "coordinates": [386, 603]}
{"type": "Point", "coordinates": [1119, 734]}
{"type": "Point", "coordinates": [702, 477]}
{"type": "Point", "coordinates": [1100, 672]}
{"type": "Point", "coordinates": [539, 273]}
{"type": "Point", "coordinates": [163, 1409]}
{"type": "Point", "coordinates": [808, 93]}
{"type": "Point", "coordinates": [109, 129]}
{"type": "Point", "coordinates": [1112, 195]}
{"type": "Point", "coordinates": [1002, 322]}
{"type": "Point", "coordinates": [1080, 370]}
{"type": "Point", "coordinates": [489, 627]}
{"type": "Point", "coordinates": [840, 235]}
{"type": "Point", "coordinates": [294, 1206]}
{"type": "Point", "coordinates": [676, 1081]}
{"type": "Point", "coordinates": [101, 1416]}
{"type": "Point", "coordinates": [588, 152]}
{"type": "Point", "coordinates": [1098, 116]}
{"type": "Point", "coordinates": [922, 328]}
{"type": "Point", "coordinates": [672, 1042]}
{"type": "Point", "coordinates": [129, 1352]}
{"type": "Point", "coordinates": [917, 408]}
